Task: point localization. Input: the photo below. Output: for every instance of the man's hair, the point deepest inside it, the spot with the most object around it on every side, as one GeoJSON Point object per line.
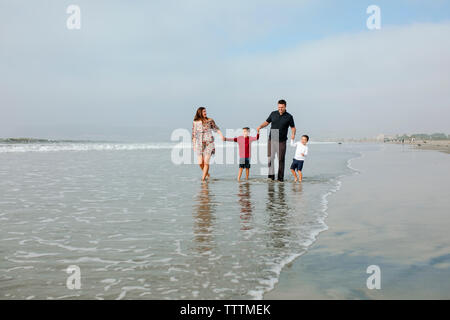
{"type": "Point", "coordinates": [246, 128]}
{"type": "Point", "coordinates": [307, 138]}
{"type": "Point", "coordinates": [282, 101]}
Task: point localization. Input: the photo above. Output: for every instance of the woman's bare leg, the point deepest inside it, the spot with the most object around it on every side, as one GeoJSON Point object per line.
{"type": "Point", "coordinates": [200, 162]}
{"type": "Point", "coordinates": [205, 167]}
{"type": "Point", "coordinates": [205, 172]}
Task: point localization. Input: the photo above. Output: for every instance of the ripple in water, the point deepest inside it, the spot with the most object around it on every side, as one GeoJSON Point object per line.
{"type": "Point", "coordinates": [140, 227]}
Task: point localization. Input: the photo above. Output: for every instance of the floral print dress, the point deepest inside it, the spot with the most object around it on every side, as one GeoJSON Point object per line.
{"type": "Point", "coordinates": [202, 137]}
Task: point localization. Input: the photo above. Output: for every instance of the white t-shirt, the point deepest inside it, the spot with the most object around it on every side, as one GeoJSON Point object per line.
{"type": "Point", "coordinates": [301, 149]}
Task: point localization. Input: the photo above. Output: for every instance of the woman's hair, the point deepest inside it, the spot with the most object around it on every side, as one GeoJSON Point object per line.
{"type": "Point", "coordinates": [199, 115]}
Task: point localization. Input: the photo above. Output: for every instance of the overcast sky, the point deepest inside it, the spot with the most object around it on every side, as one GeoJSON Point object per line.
{"type": "Point", "coordinates": [136, 70]}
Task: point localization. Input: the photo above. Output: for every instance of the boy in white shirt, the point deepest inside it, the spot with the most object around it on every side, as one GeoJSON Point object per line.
{"type": "Point", "coordinates": [299, 157]}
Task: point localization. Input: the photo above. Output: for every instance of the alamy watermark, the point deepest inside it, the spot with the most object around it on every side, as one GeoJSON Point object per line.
{"type": "Point", "coordinates": [74, 280]}
{"type": "Point", "coordinates": [374, 20]}
{"type": "Point", "coordinates": [184, 152]}
{"type": "Point", "coordinates": [374, 280]}
{"type": "Point", "coordinates": [74, 20]}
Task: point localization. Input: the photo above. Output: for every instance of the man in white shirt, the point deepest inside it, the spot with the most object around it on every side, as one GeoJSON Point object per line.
{"type": "Point", "coordinates": [300, 153]}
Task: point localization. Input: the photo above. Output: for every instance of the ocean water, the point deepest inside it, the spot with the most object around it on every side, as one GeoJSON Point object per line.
{"type": "Point", "coordinates": [139, 226]}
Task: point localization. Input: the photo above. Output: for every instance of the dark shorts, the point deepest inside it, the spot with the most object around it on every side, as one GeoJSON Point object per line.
{"type": "Point", "coordinates": [244, 163]}
{"type": "Point", "coordinates": [297, 165]}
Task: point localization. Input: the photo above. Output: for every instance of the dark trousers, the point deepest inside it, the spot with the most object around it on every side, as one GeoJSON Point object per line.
{"type": "Point", "coordinates": [276, 147]}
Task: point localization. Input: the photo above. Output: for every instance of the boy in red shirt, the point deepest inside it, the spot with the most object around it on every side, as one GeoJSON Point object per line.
{"type": "Point", "coordinates": [244, 143]}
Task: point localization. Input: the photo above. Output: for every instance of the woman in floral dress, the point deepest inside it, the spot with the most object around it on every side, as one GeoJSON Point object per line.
{"type": "Point", "coordinates": [203, 139]}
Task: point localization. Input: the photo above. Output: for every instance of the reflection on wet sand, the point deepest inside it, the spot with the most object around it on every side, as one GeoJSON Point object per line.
{"type": "Point", "coordinates": [246, 205]}
{"type": "Point", "coordinates": [203, 214]}
{"type": "Point", "coordinates": [277, 209]}
{"type": "Point", "coordinates": [297, 188]}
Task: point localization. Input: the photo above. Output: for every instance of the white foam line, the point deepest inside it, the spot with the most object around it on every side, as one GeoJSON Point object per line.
{"type": "Point", "coordinates": [87, 147]}
{"type": "Point", "coordinates": [57, 147]}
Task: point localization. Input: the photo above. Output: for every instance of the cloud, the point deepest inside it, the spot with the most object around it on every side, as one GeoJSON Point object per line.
{"type": "Point", "coordinates": [150, 64]}
{"type": "Point", "coordinates": [393, 80]}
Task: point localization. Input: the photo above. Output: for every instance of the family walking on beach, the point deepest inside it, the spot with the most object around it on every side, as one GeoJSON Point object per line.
{"type": "Point", "coordinates": [280, 120]}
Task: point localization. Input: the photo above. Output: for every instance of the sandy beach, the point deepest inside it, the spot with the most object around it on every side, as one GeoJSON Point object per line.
{"type": "Point", "coordinates": [438, 145]}
{"type": "Point", "coordinates": [393, 213]}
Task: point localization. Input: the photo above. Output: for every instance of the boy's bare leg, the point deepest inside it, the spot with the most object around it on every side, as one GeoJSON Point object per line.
{"type": "Point", "coordinates": [247, 172]}
{"type": "Point", "coordinates": [294, 174]}
{"type": "Point", "coordinates": [300, 176]}
{"type": "Point", "coordinates": [240, 174]}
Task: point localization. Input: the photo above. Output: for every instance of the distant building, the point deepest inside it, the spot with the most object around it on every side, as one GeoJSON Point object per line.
{"type": "Point", "coordinates": [380, 137]}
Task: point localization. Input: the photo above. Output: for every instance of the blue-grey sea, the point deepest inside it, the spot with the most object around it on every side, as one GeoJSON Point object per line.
{"type": "Point", "coordinates": [139, 226]}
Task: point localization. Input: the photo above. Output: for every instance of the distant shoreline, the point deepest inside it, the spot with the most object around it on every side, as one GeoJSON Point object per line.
{"type": "Point", "coordinates": [437, 145]}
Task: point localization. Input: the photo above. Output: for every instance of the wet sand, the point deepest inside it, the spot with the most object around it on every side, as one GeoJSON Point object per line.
{"type": "Point", "coordinates": [394, 213]}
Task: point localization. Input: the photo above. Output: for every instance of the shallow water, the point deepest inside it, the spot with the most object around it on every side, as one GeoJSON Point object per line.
{"type": "Point", "coordinates": [140, 227]}
{"type": "Point", "coordinates": [388, 216]}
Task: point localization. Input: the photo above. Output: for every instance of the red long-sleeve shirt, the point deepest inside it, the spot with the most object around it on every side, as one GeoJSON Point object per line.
{"type": "Point", "coordinates": [244, 145]}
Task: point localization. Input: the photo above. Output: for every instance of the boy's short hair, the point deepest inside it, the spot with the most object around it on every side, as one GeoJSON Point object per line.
{"type": "Point", "coordinates": [282, 101]}
{"type": "Point", "coordinates": [306, 136]}
{"type": "Point", "coordinates": [246, 128]}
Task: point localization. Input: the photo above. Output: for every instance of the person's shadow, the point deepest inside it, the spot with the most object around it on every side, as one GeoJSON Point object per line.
{"type": "Point", "coordinates": [246, 205]}
{"type": "Point", "coordinates": [204, 218]}
{"type": "Point", "coordinates": [278, 214]}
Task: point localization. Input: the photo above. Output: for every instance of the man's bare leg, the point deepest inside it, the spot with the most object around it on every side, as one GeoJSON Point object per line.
{"type": "Point", "coordinates": [240, 174]}
{"type": "Point", "coordinates": [300, 176]}
{"type": "Point", "coordinates": [247, 173]}
{"type": "Point", "coordinates": [294, 174]}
